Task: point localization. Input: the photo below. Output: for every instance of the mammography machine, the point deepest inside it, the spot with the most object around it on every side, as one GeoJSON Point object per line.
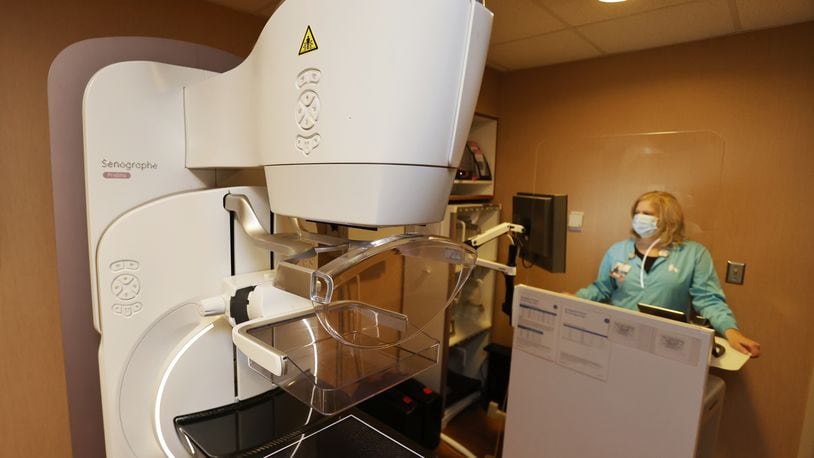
{"type": "Point", "coordinates": [208, 297]}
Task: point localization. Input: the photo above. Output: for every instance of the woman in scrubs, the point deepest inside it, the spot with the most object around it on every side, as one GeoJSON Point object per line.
{"type": "Point", "coordinates": [659, 266]}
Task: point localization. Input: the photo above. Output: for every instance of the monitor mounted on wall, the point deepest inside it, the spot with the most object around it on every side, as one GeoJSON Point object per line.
{"type": "Point", "coordinates": [545, 218]}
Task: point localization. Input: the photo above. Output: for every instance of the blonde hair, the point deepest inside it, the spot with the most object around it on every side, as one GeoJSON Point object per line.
{"type": "Point", "coordinates": [670, 215]}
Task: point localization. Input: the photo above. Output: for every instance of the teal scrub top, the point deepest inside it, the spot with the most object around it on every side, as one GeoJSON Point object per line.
{"type": "Point", "coordinates": [681, 275]}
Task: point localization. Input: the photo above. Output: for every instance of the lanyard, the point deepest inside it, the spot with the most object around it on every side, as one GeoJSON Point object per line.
{"type": "Point", "coordinates": [644, 258]}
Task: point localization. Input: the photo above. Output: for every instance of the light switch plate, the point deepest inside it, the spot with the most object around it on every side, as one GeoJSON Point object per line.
{"type": "Point", "coordinates": [734, 272]}
{"type": "Point", "coordinates": [575, 221]}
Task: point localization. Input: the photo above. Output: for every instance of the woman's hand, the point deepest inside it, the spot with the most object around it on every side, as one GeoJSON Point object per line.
{"type": "Point", "coordinates": [742, 343]}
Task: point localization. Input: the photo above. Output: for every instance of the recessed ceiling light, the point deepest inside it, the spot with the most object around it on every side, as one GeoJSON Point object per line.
{"type": "Point", "coordinates": [611, 1]}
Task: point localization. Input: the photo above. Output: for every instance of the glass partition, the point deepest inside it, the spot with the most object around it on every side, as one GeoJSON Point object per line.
{"type": "Point", "coordinates": [603, 175]}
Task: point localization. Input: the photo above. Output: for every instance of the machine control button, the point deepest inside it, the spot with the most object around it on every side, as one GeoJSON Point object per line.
{"type": "Point", "coordinates": [126, 286]}
{"type": "Point", "coordinates": [127, 310]}
{"type": "Point", "coordinates": [124, 264]}
{"type": "Point", "coordinates": [308, 110]}
{"type": "Point", "coordinates": [307, 144]}
{"type": "Point", "coordinates": [308, 76]}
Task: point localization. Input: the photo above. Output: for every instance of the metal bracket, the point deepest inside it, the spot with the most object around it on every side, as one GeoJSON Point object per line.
{"type": "Point", "coordinates": [284, 245]}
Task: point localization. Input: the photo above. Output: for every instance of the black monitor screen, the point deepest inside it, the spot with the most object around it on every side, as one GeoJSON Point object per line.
{"type": "Point", "coordinates": [545, 217]}
{"type": "Point", "coordinates": [662, 312]}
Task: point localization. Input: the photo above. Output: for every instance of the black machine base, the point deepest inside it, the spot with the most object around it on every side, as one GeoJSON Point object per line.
{"type": "Point", "coordinates": [275, 424]}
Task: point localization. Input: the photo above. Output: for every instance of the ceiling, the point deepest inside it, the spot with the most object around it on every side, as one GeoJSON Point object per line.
{"type": "Point", "coordinates": [533, 33]}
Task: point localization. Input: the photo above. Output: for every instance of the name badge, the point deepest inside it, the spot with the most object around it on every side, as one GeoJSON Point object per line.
{"type": "Point", "coordinates": [619, 271]}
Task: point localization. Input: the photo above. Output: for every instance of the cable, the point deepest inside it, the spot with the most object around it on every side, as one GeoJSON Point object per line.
{"type": "Point", "coordinates": [521, 247]}
{"type": "Point", "coordinates": [457, 446]}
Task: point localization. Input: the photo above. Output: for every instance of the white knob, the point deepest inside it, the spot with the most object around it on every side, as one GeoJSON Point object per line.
{"type": "Point", "coordinates": [211, 306]}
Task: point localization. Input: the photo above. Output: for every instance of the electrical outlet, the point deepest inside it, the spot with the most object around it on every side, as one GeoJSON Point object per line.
{"type": "Point", "coordinates": [734, 272]}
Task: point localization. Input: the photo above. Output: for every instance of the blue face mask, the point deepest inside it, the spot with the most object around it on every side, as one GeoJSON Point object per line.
{"type": "Point", "coordinates": [645, 225]}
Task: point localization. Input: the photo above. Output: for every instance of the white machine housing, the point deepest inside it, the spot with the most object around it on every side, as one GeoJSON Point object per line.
{"type": "Point", "coordinates": [334, 103]}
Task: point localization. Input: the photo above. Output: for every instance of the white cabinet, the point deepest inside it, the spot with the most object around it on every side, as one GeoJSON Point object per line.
{"type": "Point", "coordinates": [471, 312]}
{"type": "Point", "coordinates": [466, 329]}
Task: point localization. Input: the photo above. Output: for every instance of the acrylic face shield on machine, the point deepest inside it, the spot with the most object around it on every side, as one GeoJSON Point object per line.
{"type": "Point", "coordinates": [344, 290]}
{"type": "Point", "coordinates": [365, 331]}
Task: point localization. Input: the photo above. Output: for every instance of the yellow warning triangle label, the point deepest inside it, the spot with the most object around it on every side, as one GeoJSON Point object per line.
{"type": "Point", "coordinates": [309, 43]}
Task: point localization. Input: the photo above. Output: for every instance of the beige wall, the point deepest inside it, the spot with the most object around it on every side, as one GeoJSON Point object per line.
{"type": "Point", "coordinates": [489, 97]}
{"type": "Point", "coordinates": [33, 407]}
{"type": "Point", "coordinates": [755, 91]}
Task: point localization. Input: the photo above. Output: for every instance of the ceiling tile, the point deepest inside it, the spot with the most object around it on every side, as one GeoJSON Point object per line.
{"type": "Point", "coordinates": [760, 14]}
{"type": "Point", "coordinates": [529, 33]}
{"type": "Point", "coordinates": [665, 26]}
{"type": "Point", "coordinates": [515, 19]}
{"type": "Point", "coordinates": [545, 49]}
{"type": "Point", "coordinates": [579, 12]}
